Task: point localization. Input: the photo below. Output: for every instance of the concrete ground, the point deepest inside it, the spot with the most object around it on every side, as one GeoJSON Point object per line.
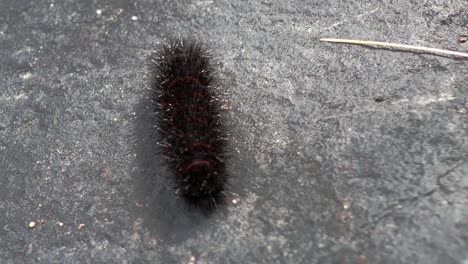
{"type": "Point", "coordinates": [339, 154]}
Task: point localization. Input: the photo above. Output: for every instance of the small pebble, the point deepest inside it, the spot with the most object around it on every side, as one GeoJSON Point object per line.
{"type": "Point", "coordinates": [81, 226]}
{"type": "Point", "coordinates": [379, 99]}
{"type": "Point", "coordinates": [32, 224]}
{"type": "Point", "coordinates": [99, 11]}
{"type": "Point", "coordinates": [134, 18]}
{"type": "Point", "coordinates": [60, 224]}
{"type": "Point", "coordinates": [463, 39]}
{"type": "Point", "coordinates": [345, 203]}
{"type": "Point", "coordinates": [192, 260]}
{"type": "Point", "coordinates": [26, 75]}
{"type": "Point", "coordinates": [235, 201]}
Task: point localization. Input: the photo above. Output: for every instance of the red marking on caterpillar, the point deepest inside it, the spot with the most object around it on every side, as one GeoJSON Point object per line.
{"type": "Point", "coordinates": [191, 132]}
{"type": "Point", "coordinates": [198, 163]}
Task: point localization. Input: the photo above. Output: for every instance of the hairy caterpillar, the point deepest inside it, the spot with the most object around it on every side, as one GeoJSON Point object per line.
{"type": "Point", "coordinates": [191, 135]}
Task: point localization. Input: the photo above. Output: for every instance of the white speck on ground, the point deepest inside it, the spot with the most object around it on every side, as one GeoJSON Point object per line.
{"type": "Point", "coordinates": [26, 75]}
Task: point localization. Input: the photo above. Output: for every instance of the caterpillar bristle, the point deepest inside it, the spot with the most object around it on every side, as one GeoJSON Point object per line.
{"type": "Point", "coordinates": [192, 137]}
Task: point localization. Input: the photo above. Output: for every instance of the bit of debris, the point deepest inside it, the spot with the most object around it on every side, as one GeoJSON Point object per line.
{"type": "Point", "coordinates": [405, 47]}
{"type": "Point", "coordinates": [32, 224]}
{"type": "Point", "coordinates": [81, 226]}
{"type": "Point", "coordinates": [379, 99]}
{"type": "Point", "coordinates": [226, 106]}
{"type": "Point", "coordinates": [346, 205]}
{"type": "Point", "coordinates": [235, 201]}
{"type": "Point", "coordinates": [60, 224]}
{"type": "Point", "coordinates": [139, 205]}
{"type": "Point", "coordinates": [345, 202]}
{"type": "Point", "coordinates": [192, 260]}
{"type": "Point", "coordinates": [134, 18]}
{"type": "Point", "coordinates": [463, 39]}
{"type": "Point", "coordinates": [26, 75]}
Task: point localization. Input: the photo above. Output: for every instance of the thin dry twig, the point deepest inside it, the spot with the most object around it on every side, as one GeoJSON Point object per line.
{"type": "Point", "coordinates": [399, 46]}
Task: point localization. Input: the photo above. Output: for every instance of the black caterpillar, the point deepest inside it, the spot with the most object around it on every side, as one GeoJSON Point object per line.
{"type": "Point", "coordinates": [192, 137]}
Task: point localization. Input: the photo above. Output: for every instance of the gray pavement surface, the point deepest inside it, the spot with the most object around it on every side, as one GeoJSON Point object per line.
{"type": "Point", "coordinates": [340, 154]}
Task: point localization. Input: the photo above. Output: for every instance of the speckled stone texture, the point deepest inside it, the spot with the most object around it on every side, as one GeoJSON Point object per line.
{"type": "Point", "coordinates": [339, 154]}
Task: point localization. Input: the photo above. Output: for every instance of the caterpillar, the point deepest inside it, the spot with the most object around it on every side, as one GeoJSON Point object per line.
{"type": "Point", "coordinates": [192, 137]}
